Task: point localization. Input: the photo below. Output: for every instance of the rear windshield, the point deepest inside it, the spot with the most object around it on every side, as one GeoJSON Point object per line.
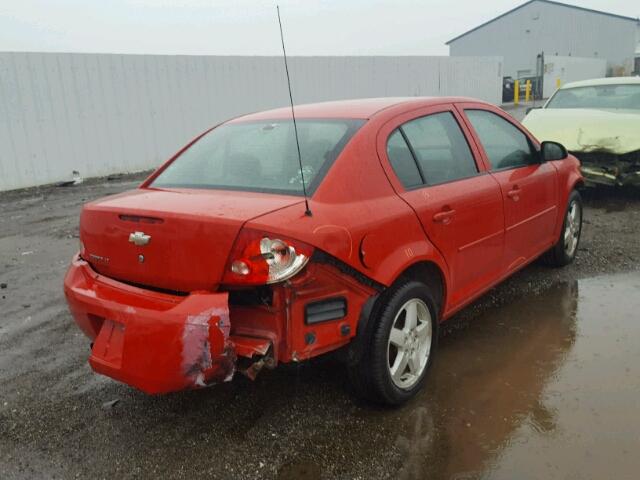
{"type": "Point", "coordinates": [260, 156]}
{"type": "Point", "coordinates": [623, 96]}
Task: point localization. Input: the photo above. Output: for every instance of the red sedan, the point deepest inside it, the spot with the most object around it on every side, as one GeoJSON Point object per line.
{"type": "Point", "coordinates": [416, 207]}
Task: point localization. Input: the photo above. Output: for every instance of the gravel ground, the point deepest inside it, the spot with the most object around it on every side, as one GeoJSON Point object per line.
{"type": "Point", "coordinates": [59, 420]}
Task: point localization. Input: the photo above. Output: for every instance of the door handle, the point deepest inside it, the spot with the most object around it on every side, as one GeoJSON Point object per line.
{"type": "Point", "coordinates": [444, 216]}
{"type": "Point", "coordinates": [514, 193]}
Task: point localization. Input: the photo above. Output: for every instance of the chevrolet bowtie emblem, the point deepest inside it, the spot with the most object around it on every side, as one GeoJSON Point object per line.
{"type": "Point", "coordinates": [139, 238]}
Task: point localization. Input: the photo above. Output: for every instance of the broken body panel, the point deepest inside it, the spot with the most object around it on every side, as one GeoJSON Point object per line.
{"type": "Point", "coordinates": [159, 343]}
{"type": "Point", "coordinates": [605, 140]}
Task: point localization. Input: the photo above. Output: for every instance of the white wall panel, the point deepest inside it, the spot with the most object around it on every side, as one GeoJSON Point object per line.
{"type": "Point", "coordinates": [571, 69]}
{"type": "Point", "coordinates": [102, 114]}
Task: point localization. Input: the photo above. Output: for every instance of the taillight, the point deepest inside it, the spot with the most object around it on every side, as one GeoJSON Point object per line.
{"type": "Point", "coordinates": [259, 258]}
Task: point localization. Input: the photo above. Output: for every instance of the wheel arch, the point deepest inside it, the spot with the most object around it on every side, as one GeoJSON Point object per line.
{"type": "Point", "coordinates": [425, 270]}
{"type": "Point", "coordinates": [577, 184]}
{"type": "Point", "coordinates": [431, 274]}
{"type": "Point", "coordinates": [573, 181]}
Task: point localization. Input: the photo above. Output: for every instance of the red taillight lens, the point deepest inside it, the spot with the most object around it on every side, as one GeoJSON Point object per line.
{"type": "Point", "coordinates": [259, 258]}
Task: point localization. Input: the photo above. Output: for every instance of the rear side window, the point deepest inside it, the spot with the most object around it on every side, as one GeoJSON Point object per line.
{"type": "Point", "coordinates": [440, 148]}
{"type": "Point", "coordinates": [402, 161]}
{"type": "Point", "coordinates": [505, 145]}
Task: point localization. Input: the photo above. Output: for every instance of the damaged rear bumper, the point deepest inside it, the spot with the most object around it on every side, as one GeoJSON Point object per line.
{"type": "Point", "coordinates": [159, 342]}
{"type": "Point", "coordinates": [153, 341]}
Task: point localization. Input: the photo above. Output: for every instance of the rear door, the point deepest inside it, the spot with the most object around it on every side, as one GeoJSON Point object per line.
{"type": "Point", "coordinates": [529, 186]}
{"type": "Point", "coordinates": [438, 172]}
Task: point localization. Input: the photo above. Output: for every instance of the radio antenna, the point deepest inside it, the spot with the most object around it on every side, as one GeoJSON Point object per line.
{"type": "Point", "coordinates": [293, 116]}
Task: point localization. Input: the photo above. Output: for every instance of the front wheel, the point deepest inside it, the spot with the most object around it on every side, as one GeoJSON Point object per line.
{"type": "Point", "coordinates": [399, 354]}
{"type": "Point", "coordinates": [564, 251]}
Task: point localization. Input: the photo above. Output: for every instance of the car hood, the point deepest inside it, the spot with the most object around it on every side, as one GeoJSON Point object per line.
{"type": "Point", "coordinates": [587, 130]}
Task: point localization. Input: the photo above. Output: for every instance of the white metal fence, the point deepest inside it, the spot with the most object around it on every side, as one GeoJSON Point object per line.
{"type": "Point", "coordinates": [101, 114]}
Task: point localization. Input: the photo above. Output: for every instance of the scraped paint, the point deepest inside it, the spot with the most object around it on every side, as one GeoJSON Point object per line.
{"type": "Point", "coordinates": [203, 333]}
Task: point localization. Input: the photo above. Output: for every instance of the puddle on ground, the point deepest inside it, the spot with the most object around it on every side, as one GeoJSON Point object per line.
{"type": "Point", "coordinates": [547, 387]}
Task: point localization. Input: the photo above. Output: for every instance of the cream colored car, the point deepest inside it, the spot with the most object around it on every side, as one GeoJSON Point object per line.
{"type": "Point", "coordinates": [598, 121]}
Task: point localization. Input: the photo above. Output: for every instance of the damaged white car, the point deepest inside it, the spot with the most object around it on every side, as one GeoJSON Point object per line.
{"type": "Point", "coordinates": [598, 121]}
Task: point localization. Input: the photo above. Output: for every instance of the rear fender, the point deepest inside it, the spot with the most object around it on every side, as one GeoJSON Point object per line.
{"type": "Point", "coordinates": [407, 255]}
{"type": "Point", "coordinates": [395, 265]}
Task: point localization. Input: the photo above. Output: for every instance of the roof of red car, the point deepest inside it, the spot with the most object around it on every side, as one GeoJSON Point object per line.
{"type": "Point", "coordinates": [361, 108]}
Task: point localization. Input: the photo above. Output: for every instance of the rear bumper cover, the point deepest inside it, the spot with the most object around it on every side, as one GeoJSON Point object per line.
{"type": "Point", "coordinates": [155, 342]}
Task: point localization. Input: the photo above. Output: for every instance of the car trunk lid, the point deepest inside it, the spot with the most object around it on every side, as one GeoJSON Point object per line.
{"type": "Point", "coordinates": [177, 240]}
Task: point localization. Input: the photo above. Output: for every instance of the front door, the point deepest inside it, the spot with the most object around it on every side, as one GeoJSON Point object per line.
{"type": "Point", "coordinates": [529, 186]}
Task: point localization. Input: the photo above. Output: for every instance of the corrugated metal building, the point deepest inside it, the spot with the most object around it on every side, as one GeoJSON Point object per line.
{"type": "Point", "coordinates": [556, 29]}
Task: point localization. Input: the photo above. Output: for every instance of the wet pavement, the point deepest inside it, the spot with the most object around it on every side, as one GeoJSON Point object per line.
{"type": "Point", "coordinates": [539, 379]}
{"type": "Point", "coordinates": [545, 387]}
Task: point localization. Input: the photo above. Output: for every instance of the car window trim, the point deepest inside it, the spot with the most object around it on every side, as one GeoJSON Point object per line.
{"type": "Point", "coordinates": [461, 179]}
{"type": "Point", "coordinates": [423, 179]}
{"type": "Point", "coordinates": [227, 188]}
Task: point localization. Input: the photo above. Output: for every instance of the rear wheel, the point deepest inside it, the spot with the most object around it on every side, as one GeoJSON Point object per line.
{"type": "Point", "coordinates": [401, 348]}
{"type": "Point", "coordinates": [564, 251]}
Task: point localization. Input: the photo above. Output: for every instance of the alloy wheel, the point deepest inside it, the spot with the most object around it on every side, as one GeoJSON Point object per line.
{"type": "Point", "coordinates": [409, 343]}
{"type": "Point", "coordinates": [572, 228]}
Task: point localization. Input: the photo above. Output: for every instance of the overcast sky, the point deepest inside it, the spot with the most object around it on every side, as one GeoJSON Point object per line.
{"type": "Point", "coordinates": [249, 27]}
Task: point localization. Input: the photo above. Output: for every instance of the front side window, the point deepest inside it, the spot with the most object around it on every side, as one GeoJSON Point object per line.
{"type": "Point", "coordinates": [505, 145]}
{"type": "Point", "coordinates": [260, 156]}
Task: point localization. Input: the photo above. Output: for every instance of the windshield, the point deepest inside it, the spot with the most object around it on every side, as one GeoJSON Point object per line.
{"type": "Point", "coordinates": [260, 156]}
{"type": "Point", "coordinates": [623, 96]}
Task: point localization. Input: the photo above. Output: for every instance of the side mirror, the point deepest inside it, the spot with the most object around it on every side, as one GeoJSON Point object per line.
{"type": "Point", "coordinates": [553, 151]}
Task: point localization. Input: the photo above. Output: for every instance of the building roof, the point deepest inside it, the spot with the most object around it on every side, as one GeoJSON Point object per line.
{"type": "Point", "coordinates": [603, 81]}
{"type": "Point", "coordinates": [621, 17]}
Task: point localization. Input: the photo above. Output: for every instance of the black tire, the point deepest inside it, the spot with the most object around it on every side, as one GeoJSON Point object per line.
{"type": "Point", "coordinates": [370, 374]}
{"type": "Point", "coordinates": [558, 255]}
